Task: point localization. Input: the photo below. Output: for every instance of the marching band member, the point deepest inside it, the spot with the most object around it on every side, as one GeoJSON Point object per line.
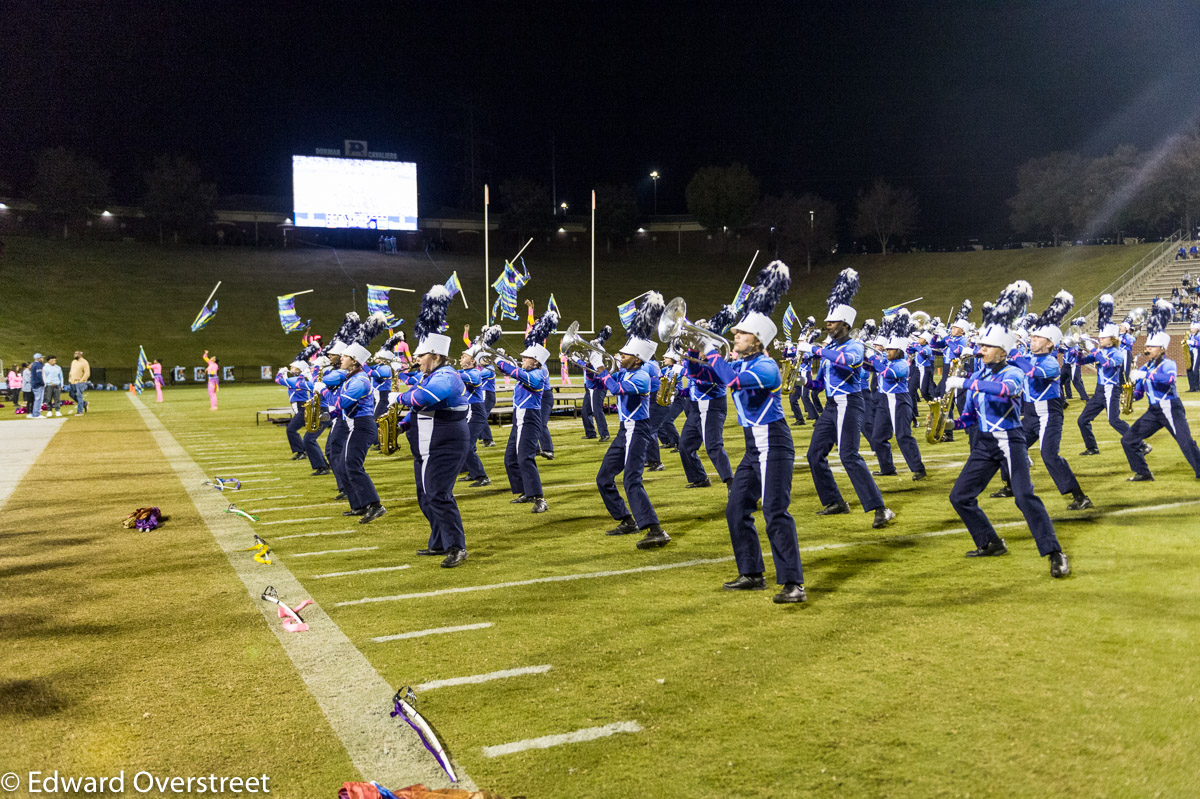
{"type": "Point", "coordinates": [631, 386]}
{"type": "Point", "coordinates": [765, 472]}
{"type": "Point", "coordinates": [1043, 411]}
{"type": "Point", "coordinates": [840, 423]}
{"type": "Point", "coordinates": [993, 403]}
{"type": "Point", "coordinates": [1157, 382]}
{"type": "Point", "coordinates": [812, 386]}
{"type": "Point", "coordinates": [212, 367]}
{"type": "Point", "coordinates": [893, 408]}
{"type": "Point", "coordinates": [356, 406]}
{"type": "Point", "coordinates": [472, 378]}
{"type": "Point", "coordinates": [292, 378]}
{"type": "Point", "coordinates": [330, 387]}
{"type": "Point", "coordinates": [1193, 351]}
{"type": "Point", "coordinates": [657, 414]}
{"type": "Point", "coordinates": [311, 357]}
{"type": "Point", "coordinates": [490, 337]}
{"type": "Point", "coordinates": [436, 427]}
{"type": "Point", "coordinates": [1110, 373]}
{"type": "Point", "coordinates": [155, 370]}
{"type": "Point", "coordinates": [593, 391]}
{"type": "Point", "coordinates": [788, 353]}
{"type": "Point", "coordinates": [520, 455]}
{"type": "Point", "coordinates": [668, 436]}
{"type": "Point", "coordinates": [957, 348]}
{"type": "Point", "coordinates": [705, 416]}
{"type": "Point", "coordinates": [1127, 339]}
{"type": "Point", "coordinates": [922, 355]}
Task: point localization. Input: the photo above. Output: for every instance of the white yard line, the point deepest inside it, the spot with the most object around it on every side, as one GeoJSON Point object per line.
{"type": "Point", "coordinates": [433, 631]}
{"type": "Point", "coordinates": [310, 535]}
{"type": "Point", "coordinates": [297, 507]}
{"type": "Point", "coordinates": [478, 678]}
{"type": "Point", "coordinates": [372, 570]}
{"type": "Point", "coordinates": [24, 441]}
{"type": "Point", "coordinates": [547, 741]}
{"type": "Point", "coordinates": [331, 552]}
{"type": "Point", "coordinates": [350, 693]}
{"type": "Point", "coordinates": [297, 521]}
{"type": "Point", "coordinates": [263, 480]}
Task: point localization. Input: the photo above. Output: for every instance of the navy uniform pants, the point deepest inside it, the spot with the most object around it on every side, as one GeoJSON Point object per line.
{"type": "Point", "coordinates": [1077, 382]}
{"type": "Point", "coordinates": [489, 402]}
{"type": "Point", "coordinates": [765, 474]}
{"type": "Point", "coordinates": [1044, 420]}
{"type": "Point", "coordinates": [988, 451]}
{"type": "Point", "coordinates": [668, 436]}
{"type": "Point", "coordinates": [812, 402]}
{"type": "Point", "coordinates": [840, 426]}
{"type": "Point", "coordinates": [520, 456]}
{"type": "Point", "coordinates": [589, 427]}
{"type": "Point", "coordinates": [362, 434]}
{"type": "Point", "coordinates": [926, 382]}
{"type": "Point", "coordinates": [1168, 414]}
{"type": "Point", "coordinates": [1193, 372]}
{"type": "Point", "coordinates": [657, 414]}
{"type": "Point", "coordinates": [1104, 397]}
{"type": "Point", "coordinates": [335, 452]}
{"type": "Point", "coordinates": [439, 443]}
{"type": "Point", "coordinates": [476, 425]}
{"type": "Point", "coordinates": [294, 426]}
{"type": "Point", "coordinates": [893, 418]}
{"type": "Point", "coordinates": [704, 424]}
{"type": "Point", "coordinates": [545, 443]}
{"type": "Point", "coordinates": [627, 453]}
{"type": "Point", "coordinates": [794, 402]}
{"type": "Point", "coordinates": [1064, 380]}
{"type": "Point", "coordinates": [914, 385]}
{"type": "Point", "coordinates": [312, 445]}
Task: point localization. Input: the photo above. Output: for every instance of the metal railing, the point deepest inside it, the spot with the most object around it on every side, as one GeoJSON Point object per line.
{"type": "Point", "coordinates": [1156, 258]}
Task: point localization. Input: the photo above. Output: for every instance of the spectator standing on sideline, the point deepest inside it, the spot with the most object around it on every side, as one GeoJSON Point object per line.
{"type": "Point", "coordinates": [37, 385]}
{"type": "Point", "coordinates": [81, 373]}
{"type": "Point", "coordinates": [27, 387]}
{"type": "Point", "coordinates": [14, 383]}
{"type": "Point", "coordinates": [53, 377]}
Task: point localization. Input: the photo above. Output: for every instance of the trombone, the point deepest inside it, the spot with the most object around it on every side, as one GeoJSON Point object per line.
{"type": "Point", "coordinates": [577, 346]}
{"type": "Point", "coordinates": [674, 324]}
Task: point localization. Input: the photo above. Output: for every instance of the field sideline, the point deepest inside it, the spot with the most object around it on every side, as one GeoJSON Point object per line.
{"type": "Point", "coordinates": [910, 673]}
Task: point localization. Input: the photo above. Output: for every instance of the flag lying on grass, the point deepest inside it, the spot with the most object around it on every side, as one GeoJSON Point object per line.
{"type": "Point", "coordinates": [790, 320]}
{"type": "Point", "coordinates": [507, 286]}
{"type": "Point", "coordinates": [377, 302]}
{"type": "Point", "coordinates": [287, 314]}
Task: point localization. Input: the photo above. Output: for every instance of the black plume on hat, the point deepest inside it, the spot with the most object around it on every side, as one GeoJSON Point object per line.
{"type": "Point", "coordinates": [433, 311]}
{"type": "Point", "coordinates": [869, 328]}
{"type": "Point", "coordinates": [490, 335]}
{"type": "Point", "coordinates": [344, 333]}
{"type": "Point", "coordinates": [897, 324]}
{"type": "Point", "coordinates": [308, 352]}
{"type": "Point", "coordinates": [645, 321]}
{"type": "Point", "coordinates": [1011, 304]}
{"type": "Point", "coordinates": [964, 312]}
{"type": "Point", "coordinates": [1104, 311]}
{"type": "Point", "coordinates": [988, 307]}
{"type": "Point", "coordinates": [844, 289]}
{"type": "Point", "coordinates": [393, 340]}
{"type": "Point", "coordinates": [603, 336]}
{"type": "Point", "coordinates": [1079, 321]}
{"type": "Point", "coordinates": [1159, 317]}
{"type": "Point", "coordinates": [772, 283]}
{"type": "Point", "coordinates": [542, 329]}
{"type": "Point", "coordinates": [722, 319]}
{"type": "Point", "coordinates": [376, 323]}
{"type": "Point", "coordinates": [809, 324]}
{"type": "Point", "coordinates": [1053, 316]}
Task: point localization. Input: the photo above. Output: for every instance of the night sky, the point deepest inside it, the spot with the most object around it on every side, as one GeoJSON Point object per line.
{"type": "Point", "coordinates": [946, 98]}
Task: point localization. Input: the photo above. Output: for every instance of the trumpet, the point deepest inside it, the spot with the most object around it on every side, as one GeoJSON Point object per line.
{"type": "Point", "coordinates": [576, 345]}
{"type": "Point", "coordinates": [674, 324]}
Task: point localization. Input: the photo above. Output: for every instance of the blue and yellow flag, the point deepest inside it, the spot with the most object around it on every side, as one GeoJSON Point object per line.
{"type": "Point", "coordinates": [742, 294]}
{"type": "Point", "coordinates": [453, 285]}
{"type": "Point", "coordinates": [142, 365]}
{"type": "Point", "coordinates": [377, 302]}
{"type": "Point", "coordinates": [506, 287]}
{"type": "Point", "coordinates": [205, 316]}
{"type": "Point", "coordinates": [287, 314]}
{"type": "Point", "coordinates": [626, 311]}
{"type": "Point", "coordinates": [553, 306]}
{"type": "Point", "coordinates": [790, 320]}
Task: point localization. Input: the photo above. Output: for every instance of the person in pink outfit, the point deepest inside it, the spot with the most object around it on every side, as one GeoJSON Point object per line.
{"type": "Point", "coordinates": [156, 371]}
{"type": "Point", "coordinates": [212, 368]}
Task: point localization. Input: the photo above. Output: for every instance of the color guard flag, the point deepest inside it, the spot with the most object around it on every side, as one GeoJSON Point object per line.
{"type": "Point", "coordinates": [205, 316]}
{"type": "Point", "coordinates": [287, 314]}
{"type": "Point", "coordinates": [506, 287]}
{"type": "Point", "coordinates": [627, 310]}
{"type": "Point", "coordinates": [743, 293]}
{"type": "Point", "coordinates": [452, 284]}
{"type": "Point", "coordinates": [553, 306]}
{"type": "Point", "coordinates": [790, 320]}
{"type": "Point", "coordinates": [143, 364]}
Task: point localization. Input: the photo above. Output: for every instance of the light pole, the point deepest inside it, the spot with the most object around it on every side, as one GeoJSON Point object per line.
{"type": "Point", "coordinates": [811, 223]}
{"type": "Point", "coordinates": [654, 177]}
{"type": "Point", "coordinates": [563, 206]}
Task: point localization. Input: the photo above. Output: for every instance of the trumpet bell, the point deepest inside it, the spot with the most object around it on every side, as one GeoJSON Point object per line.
{"type": "Point", "coordinates": [673, 324]}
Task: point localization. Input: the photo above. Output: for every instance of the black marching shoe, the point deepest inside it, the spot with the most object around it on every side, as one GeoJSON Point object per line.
{"type": "Point", "coordinates": [354, 512]}
{"type": "Point", "coordinates": [430, 552]}
{"type": "Point", "coordinates": [882, 517]}
{"type": "Point", "coordinates": [627, 526]}
{"type": "Point", "coordinates": [657, 466]}
{"type": "Point", "coordinates": [454, 557]}
{"type": "Point", "coordinates": [791, 593]}
{"type": "Point", "coordinates": [993, 549]}
{"type": "Point", "coordinates": [834, 508]}
{"type": "Point", "coordinates": [547, 455]}
{"type": "Point", "coordinates": [1090, 451]}
{"type": "Point", "coordinates": [482, 481]}
{"type": "Point", "coordinates": [705, 483]}
{"type": "Point", "coordinates": [1141, 478]}
{"type": "Point", "coordinates": [746, 582]}
{"type": "Point", "coordinates": [654, 539]}
{"type": "Point", "coordinates": [1146, 448]}
{"type": "Point", "coordinates": [298, 456]}
{"type": "Point", "coordinates": [340, 495]}
{"type": "Point", "coordinates": [919, 475]}
{"type": "Point", "coordinates": [324, 470]}
{"type": "Point", "coordinates": [487, 444]}
{"type": "Point", "coordinates": [374, 511]}
{"type": "Point", "coordinates": [520, 499]}
{"type": "Point", "coordinates": [587, 438]}
{"type": "Point", "coordinates": [1005, 491]}
{"type": "Point", "coordinates": [1058, 565]}
{"type": "Point", "coordinates": [605, 437]}
{"type": "Point", "coordinates": [540, 506]}
{"type": "Point", "coordinates": [466, 478]}
{"type": "Point", "coordinates": [892, 473]}
{"type": "Point", "coordinates": [1083, 503]}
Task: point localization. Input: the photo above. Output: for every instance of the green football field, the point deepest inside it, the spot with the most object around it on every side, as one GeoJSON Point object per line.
{"type": "Point", "coordinates": [911, 672]}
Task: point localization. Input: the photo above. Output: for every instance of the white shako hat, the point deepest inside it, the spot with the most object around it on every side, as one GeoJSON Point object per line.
{"type": "Point", "coordinates": [770, 286]}
{"type": "Point", "coordinates": [843, 291]}
{"type": "Point", "coordinates": [535, 339]}
{"type": "Point", "coordinates": [430, 319]}
{"type": "Point", "coordinates": [640, 343]}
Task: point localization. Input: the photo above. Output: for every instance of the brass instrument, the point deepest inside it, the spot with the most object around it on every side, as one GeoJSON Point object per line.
{"type": "Point", "coordinates": [576, 345]}
{"type": "Point", "coordinates": [312, 413]}
{"type": "Point", "coordinates": [667, 389]}
{"type": "Point", "coordinates": [939, 410]}
{"type": "Point", "coordinates": [492, 355]}
{"type": "Point", "coordinates": [1127, 392]}
{"type": "Point", "coordinates": [788, 375]}
{"type": "Point", "coordinates": [674, 324]}
{"type": "Point", "coordinates": [918, 319]}
{"type": "Point", "coordinates": [1135, 319]}
{"type": "Point", "coordinates": [389, 423]}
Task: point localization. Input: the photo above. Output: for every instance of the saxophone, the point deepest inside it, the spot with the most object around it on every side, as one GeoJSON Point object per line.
{"type": "Point", "coordinates": [389, 423]}
{"type": "Point", "coordinates": [939, 410]}
{"type": "Point", "coordinates": [312, 413]}
{"type": "Point", "coordinates": [667, 389]}
{"type": "Point", "coordinates": [1127, 392]}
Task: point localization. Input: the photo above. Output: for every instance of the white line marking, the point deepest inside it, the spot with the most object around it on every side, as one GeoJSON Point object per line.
{"type": "Point", "coordinates": [23, 445]}
{"type": "Point", "coordinates": [298, 521]}
{"type": "Point", "coordinates": [478, 678]}
{"type": "Point", "coordinates": [296, 507]}
{"type": "Point", "coordinates": [350, 693]}
{"type": "Point", "coordinates": [263, 480]}
{"type": "Point", "coordinates": [434, 631]}
{"type": "Point", "coordinates": [372, 570]}
{"type": "Point", "coordinates": [309, 535]}
{"type": "Point", "coordinates": [547, 741]}
{"type": "Point", "coordinates": [331, 552]}
{"type": "Point", "coordinates": [279, 496]}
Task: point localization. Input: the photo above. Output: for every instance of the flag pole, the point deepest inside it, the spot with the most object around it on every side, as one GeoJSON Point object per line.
{"type": "Point", "coordinates": [463, 294]}
{"type": "Point", "coordinates": [744, 278]}
{"type": "Point", "coordinates": [518, 255]}
{"type": "Point", "coordinates": [205, 305]}
{"type": "Point", "coordinates": [308, 291]}
{"type": "Point", "coordinates": [593, 327]}
{"type": "Point", "coordinates": [397, 288]}
{"type": "Point", "coordinates": [487, 278]}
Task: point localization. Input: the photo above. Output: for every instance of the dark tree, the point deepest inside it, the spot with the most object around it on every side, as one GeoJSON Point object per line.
{"type": "Point", "coordinates": [1175, 194]}
{"type": "Point", "coordinates": [177, 199]}
{"type": "Point", "coordinates": [616, 213]}
{"type": "Point", "coordinates": [68, 186]}
{"type": "Point", "coordinates": [1048, 189]}
{"type": "Point", "coordinates": [804, 225]}
{"type": "Point", "coordinates": [527, 209]}
{"type": "Point", "coordinates": [722, 198]}
{"type": "Point", "coordinates": [885, 213]}
{"type": "Point", "coordinates": [1111, 196]}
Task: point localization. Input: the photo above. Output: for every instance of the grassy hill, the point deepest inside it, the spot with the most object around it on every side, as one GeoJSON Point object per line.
{"type": "Point", "coordinates": [106, 298]}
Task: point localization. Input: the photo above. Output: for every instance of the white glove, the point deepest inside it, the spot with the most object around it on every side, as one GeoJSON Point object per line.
{"type": "Point", "coordinates": [323, 361]}
{"type": "Point", "coordinates": [282, 372]}
{"type": "Point", "coordinates": [1137, 374]}
{"type": "Point", "coordinates": [954, 383]}
{"type": "Point", "coordinates": [318, 387]}
{"type": "Point", "coordinates": [805, 347]}
{"type": "Point", "coordinates": [392, 397]}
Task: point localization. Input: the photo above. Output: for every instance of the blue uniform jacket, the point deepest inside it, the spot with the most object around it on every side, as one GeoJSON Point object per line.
{"type": "Point", "coordinates": [299, 389]}
{"type": "Point", "coordinates": [1159, 383]}
{"type": "Point", "coordinates": [530, 384]}
{"type": "Point", "coordinates": [893, 375]}
{"type": "Point", "coordinates": [1041, 376]}
{"type": "Point", "coordinates": [841, 367]}
{"type": "Point", "coordinates": [473, 381]}
{"type": "Point", "coordinates": [631, 387]}
{"type": "Point", "coordinates": [755, 383]}
{"type": "Point", "coordinates": [1110, 365]}
{"type": "Point", "coordinates": [994, 399]}
{"type": "Point", "coordinates": [440, 390]}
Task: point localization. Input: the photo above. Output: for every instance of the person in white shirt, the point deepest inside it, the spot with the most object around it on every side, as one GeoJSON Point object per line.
{"type": "Point", "coordinates": [52, 374]}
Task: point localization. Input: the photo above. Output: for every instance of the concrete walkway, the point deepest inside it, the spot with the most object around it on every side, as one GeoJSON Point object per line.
{"type": "Point", "coordinates": [21, 442]}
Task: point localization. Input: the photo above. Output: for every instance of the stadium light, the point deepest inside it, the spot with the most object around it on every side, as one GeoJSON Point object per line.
{"type": "Point", "coordinates": [3, 207]}
{"type": "Point", "coordinates": [106, 213]}
{"type": "Point", "coordinates": [654, 177]}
